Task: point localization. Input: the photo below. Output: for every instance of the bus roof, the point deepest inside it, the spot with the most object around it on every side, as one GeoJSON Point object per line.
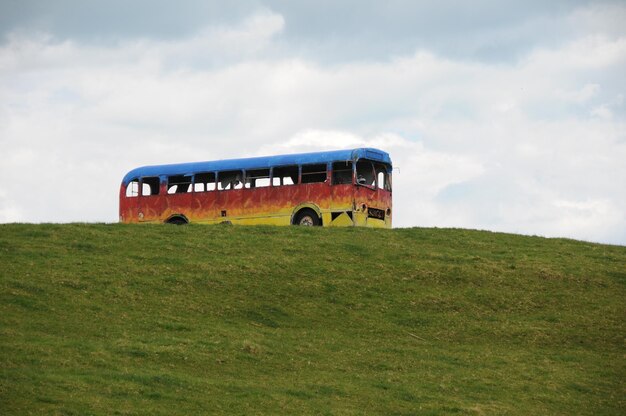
{"type": "Point", "coordinates": [258, 162]}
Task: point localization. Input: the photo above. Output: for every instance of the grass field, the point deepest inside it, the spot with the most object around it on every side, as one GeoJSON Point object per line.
{"type": "Point", "coordinates": [132, 319]}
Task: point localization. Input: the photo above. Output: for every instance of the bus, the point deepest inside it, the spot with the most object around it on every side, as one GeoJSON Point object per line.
{"type": "Point", "coordinates": [333, 188]}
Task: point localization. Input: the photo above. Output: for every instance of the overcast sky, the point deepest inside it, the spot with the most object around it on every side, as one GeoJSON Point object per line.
{"type": "Point", "coordinates": [505, 116]}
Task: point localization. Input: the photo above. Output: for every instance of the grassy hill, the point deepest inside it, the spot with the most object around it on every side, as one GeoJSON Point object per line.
{"type": "Point", "coordinates": [136, 319]}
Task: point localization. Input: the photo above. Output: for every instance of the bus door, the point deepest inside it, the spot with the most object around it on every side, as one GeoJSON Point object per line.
{"type": "Point", "coordinates": [342, 193]}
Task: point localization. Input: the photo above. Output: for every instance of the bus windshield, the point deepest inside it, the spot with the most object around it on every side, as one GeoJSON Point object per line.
{"type": "Point", "coordinates": [373, 174]}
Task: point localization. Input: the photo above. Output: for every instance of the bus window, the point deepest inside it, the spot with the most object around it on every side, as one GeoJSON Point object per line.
{"type": "Point", "coordinates": [342, 173]}
{"type": "Point", "coordinates": [149, 186]}
{"type": "Point", "coordinates": [258, 178]}
{"type": "Point", "coordinates": [285, 175]}
{"type": "Point", "coordinates": [204, 182]}
{"type": "Point", "coordinates": [365, 173]}
{"type": "Point", "coordinates": [382, 178]}
{"type": "Point", "coordinates": [313, 173]}
{"type": "Point", "coordinates": [231, 179]}
{"type": "Point", "coordinates": [178, 184]}
{"type": "Point", "coordinates": [132, 190]}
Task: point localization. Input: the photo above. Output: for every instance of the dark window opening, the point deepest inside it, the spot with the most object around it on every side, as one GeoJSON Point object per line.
{"type": "Point", "coordinates": [334, 215]}
{"type": "Point", "coordinates": [342, 173]}
{"type": "Point", "coordinates": [365, 173]}
{"type": "Point", "coordinates": [132, 189]}
{"type": "Point", "coordinates": [285, 175]}
{"type": "Point", "coordinates": [149, 186]}
{"type": "Point", "coordinates": [232, 179]}
{"type": "Point", "coordinates": [258, 178]}
{"type": "Point", "coordinates": [204, 182]}
{"type": "Point", "coordinates": [179, 184]}
{"type": "Point", "coordinates": [313, 173]}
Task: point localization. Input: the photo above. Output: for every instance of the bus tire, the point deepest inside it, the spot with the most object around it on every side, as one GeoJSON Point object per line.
{"type": "Point", "coordinates": [177, 220]}
{"type": "Point", "coordinates": [308, 218]}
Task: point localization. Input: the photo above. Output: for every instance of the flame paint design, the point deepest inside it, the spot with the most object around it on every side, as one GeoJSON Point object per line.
{"type": "Point", "coordinates": [269, 205]}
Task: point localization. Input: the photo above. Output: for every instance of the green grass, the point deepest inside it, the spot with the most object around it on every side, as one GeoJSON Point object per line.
{"type": "Point", "coordinates": [132, 319]}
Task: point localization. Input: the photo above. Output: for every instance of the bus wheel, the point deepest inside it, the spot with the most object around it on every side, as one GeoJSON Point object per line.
{"type": "Point", "coordinates": [177, 220]}
{"type": "Point", "coordinates": [307, 218]}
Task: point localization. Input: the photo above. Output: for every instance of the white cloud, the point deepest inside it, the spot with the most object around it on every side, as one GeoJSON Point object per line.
{"type": "Point", "coordinates": [602, 112]}
{"type": "Point", "coordinates": [535, 146]}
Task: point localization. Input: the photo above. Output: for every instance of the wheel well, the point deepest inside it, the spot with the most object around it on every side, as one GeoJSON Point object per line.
{"type": "Point", "coordinates": [177, 219]}
{"type": "Point", "coordinates": [296, 215]}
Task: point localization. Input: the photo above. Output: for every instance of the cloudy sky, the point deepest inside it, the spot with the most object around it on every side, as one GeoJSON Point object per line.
{"type": "Point", "coordinates": [504, 116]}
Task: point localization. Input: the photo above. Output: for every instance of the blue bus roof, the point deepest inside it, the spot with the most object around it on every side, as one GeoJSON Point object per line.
{"type": "Point", "coordinates": [258, 163]}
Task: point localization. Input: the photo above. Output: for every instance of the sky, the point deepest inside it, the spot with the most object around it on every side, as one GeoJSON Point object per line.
{"type": "Point", "coordinates": [498, 115]}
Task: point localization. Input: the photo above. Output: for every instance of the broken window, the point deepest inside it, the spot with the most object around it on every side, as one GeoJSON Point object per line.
{"type": "Point", "coordinates": [204, 182]}
{"type": "Point", "coordinates": [382, 176]}
{"type": "Point", "coordinates": [313, 173]}
{"type": "Point", "coordinates": [285, 175]}
{"type": "Point", "coordinates": [132, 189]}
{"type": "Point", "coordinates": [178, 184]}
{"type": "Point", "coordinates": [342, 173]}
{"type": "Point", "coordinates": [380, 180]}
{"type": "Point", "coordinates": [259, 178]}
{"type": "Point", "coordinates": [150, 186]}
{"type": "Point", "coordinates": [232, 179]}
{"type": "Point", "coordinates": [365, 173]}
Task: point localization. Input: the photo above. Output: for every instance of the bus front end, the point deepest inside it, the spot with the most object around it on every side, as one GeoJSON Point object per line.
{"type": "Point", "coordinates": [372, 205]}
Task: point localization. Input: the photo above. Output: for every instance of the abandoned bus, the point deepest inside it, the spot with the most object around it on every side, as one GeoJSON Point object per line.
{"type": "Point", "coordinates": [335, 188]}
